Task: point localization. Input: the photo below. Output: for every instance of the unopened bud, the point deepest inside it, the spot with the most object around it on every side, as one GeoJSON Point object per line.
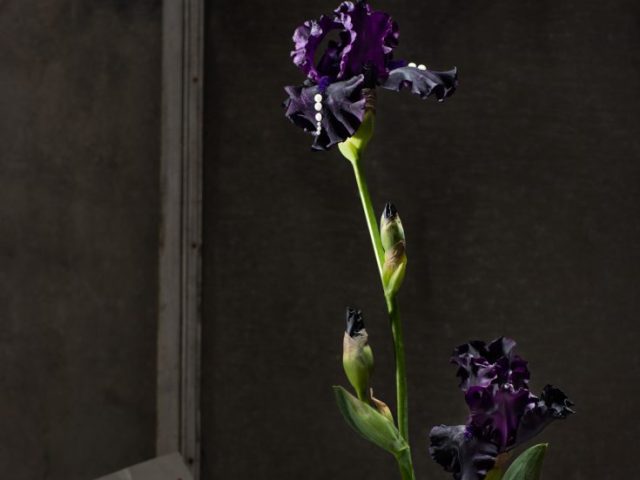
{"type": "Point", "coordinates": [357, 357]}
{"type": "Point", "coordinates": [395, 255]}
{"type": "Point", "coordinates": [393, 270]}
{"type": "Point", "coordinates": [391, 231]}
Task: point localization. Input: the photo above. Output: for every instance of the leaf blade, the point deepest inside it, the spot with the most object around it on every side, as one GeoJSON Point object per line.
{"type": "Point", "coordinates": [528, 466]}
{"type": "Point", "coordinates": [369, 423]}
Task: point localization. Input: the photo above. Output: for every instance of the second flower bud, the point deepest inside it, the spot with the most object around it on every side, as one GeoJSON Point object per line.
{"type": "Point", "coordinates": [357, 357]}
{"type": "Point", "coordinates": [395, 256]}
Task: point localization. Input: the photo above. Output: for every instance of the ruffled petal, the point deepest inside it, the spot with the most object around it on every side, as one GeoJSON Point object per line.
{"type": "Point", "coordinates": [552, 405]}
{"type": "Point", "coordinates": [342, 110]}
{"type": "Point", "coordinates": [370, 39]}
{"type": "Point", "coordinates": [329, 64]}
{"type": "Point", "coordinates": [306, 38]}
{"type": "Point", "coordinates": [462, 454]}
{"type": "Point", "coordinates": [423, 82]}
{"type": "Point", "coordinates": [481, 364]}
{"type": "Point", "coordinates": [496, 413]}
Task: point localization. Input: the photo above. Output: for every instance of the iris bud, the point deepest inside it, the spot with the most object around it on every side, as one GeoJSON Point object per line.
{"type": "Point", "coordinates": [357, 356]}
{"type": "Point", "coordinates": [391, 231]}
{"type": "Point", "coordinates": [395, 256]}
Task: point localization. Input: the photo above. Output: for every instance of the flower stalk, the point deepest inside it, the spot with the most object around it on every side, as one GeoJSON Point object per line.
{"type": "Point", "coordinates": [369, 214]}
{"type": "Point", "coordinates": [352, 151]}
{"type": "Point", "coordinates": [391, 302]}
{"type": "Point", "coordinates": [401, 369]}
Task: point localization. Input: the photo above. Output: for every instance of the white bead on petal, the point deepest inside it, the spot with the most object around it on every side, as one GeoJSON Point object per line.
{"type": "Point", "coordinates": [422, 67]}
{"type": "Point", "coordinates": [318, 97]}
{"type": "Point", "coordinates": [412, 64]}
{"type": "Point", "coordinates": [318, 117]}
{"type": "Point", "coordinates": [318, 107]}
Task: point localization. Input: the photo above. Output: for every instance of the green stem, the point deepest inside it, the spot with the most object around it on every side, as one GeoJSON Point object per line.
{"type": "Point", "coordinates": [404, 460]}
{"type": "Point", "coordinates": [405, 465]}
{"type": "Point", "coordinates": [370, 216]}
{"type": "Point", "coordinates": [401, 369]}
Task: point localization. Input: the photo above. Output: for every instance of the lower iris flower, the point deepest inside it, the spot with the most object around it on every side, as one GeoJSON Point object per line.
{"type": "Point", "coordinates": [503, 412]}
{"type": "Point", "coordinates": [330, 104]}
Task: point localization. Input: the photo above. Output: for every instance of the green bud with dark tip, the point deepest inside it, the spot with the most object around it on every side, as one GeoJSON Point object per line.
{"type": "Point", "coordinates": [393, 243]}
{"type": "Point", "coordinates": [391, 231]}
{"type": "Point", "coordinates": [357, 356]}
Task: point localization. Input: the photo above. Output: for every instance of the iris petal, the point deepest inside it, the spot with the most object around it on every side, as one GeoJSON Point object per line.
{"type": "Point", "coordinates": [370, 40]}
{"type": "Point", "coordinates": [552, 405]}
{"type": "Point", "coordinates": [342, 110]}
{"type": "Point", "coordinates": [482, 364]}
{"type": "Point", "coordinates": [466, 456]}
{"type": "Point", "coordinates": [306, 38]}
{"type": "Point", "coordinates": [423, 82]}
{"type": "Point", "coordinates": [497, 417]}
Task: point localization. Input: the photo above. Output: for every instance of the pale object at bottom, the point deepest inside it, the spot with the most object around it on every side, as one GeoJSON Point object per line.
{"type": "Point", "coordinates": [168, 467]}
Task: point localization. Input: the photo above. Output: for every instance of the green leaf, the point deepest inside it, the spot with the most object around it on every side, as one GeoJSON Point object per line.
{"type": "Point", "coordinates": [369, 423]}
{"type": "Point", "coordinates": [528, 465]}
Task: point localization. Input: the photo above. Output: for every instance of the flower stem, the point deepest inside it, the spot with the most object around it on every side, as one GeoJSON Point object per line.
{"type": "Point", "coordinates": [404, 461]}
{"type": "Point", "coordinates": [401, 369]}
{"type": "Point", "coordinates": [370, 216]}
{"type": "Point", "coordinates": [405, 465]}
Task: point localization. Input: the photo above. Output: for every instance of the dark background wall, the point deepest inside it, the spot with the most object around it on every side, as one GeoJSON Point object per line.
{"type": "Point", "coordinates": [520, 199]}
{"type": "Point", "coordinates": [79, 133]}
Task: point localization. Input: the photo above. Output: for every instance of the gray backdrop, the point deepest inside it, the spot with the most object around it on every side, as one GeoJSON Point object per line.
{"type": "Point", "coordinates": [520, 200]}
{"type": "Point", "coordinates": [79, 132]}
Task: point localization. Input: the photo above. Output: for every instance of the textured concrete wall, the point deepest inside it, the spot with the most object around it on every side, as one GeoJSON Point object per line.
{"type": "Point", "coordinates": [520, 198]}
{"type": "Point", "coordinates": [79, 126]}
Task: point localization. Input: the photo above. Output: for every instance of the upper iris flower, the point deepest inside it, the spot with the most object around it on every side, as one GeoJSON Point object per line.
{"type": "Point", "coordinates": [503, 412]}
{"type": "Point", "coordinates": [340, 72]}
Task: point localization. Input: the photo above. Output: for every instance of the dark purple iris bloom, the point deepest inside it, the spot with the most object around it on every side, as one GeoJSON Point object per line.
{"type": "Point", "coordinates": [330, 104]}
{"type": "Point", "coordinates": [503, 412]}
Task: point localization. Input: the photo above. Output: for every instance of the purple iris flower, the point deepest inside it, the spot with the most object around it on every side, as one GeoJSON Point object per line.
{"type": "Point", "coordinates": [503, 412]}
{"type": "Point", "coordinates": [330, 104]}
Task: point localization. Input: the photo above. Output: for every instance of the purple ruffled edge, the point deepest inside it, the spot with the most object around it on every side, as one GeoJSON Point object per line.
{"type": "Point", "coordinates": [306, 39]}
{"type": "Point", "coordinates": [423, 82]}
{"type": "Point", "coordinates": [357, 22]}
{"type": "Point", "coordinates": [342, 112]}
{"type": "Point", "coordinates": [380, 32]}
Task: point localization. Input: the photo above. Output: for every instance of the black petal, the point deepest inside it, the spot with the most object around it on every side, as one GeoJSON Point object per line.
{"type": "Point", "coordinates": [355, 322]}
{"type": "Point", "coordinates": [552, 405]}
{"type": "Point", "coordinates": [423, 82]}
{"type": "Point", "coordinates": [342, 111]}
{"type": "Point", "coordinates": [467, 457]}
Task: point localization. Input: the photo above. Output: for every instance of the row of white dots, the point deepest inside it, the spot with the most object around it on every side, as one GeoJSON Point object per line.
{"type": "Point", "coordinates": [419, 67]}
{"type": "Point", "coordinates": [318, 107]}
{"type": "Point", "coordinates": [317, 98]}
